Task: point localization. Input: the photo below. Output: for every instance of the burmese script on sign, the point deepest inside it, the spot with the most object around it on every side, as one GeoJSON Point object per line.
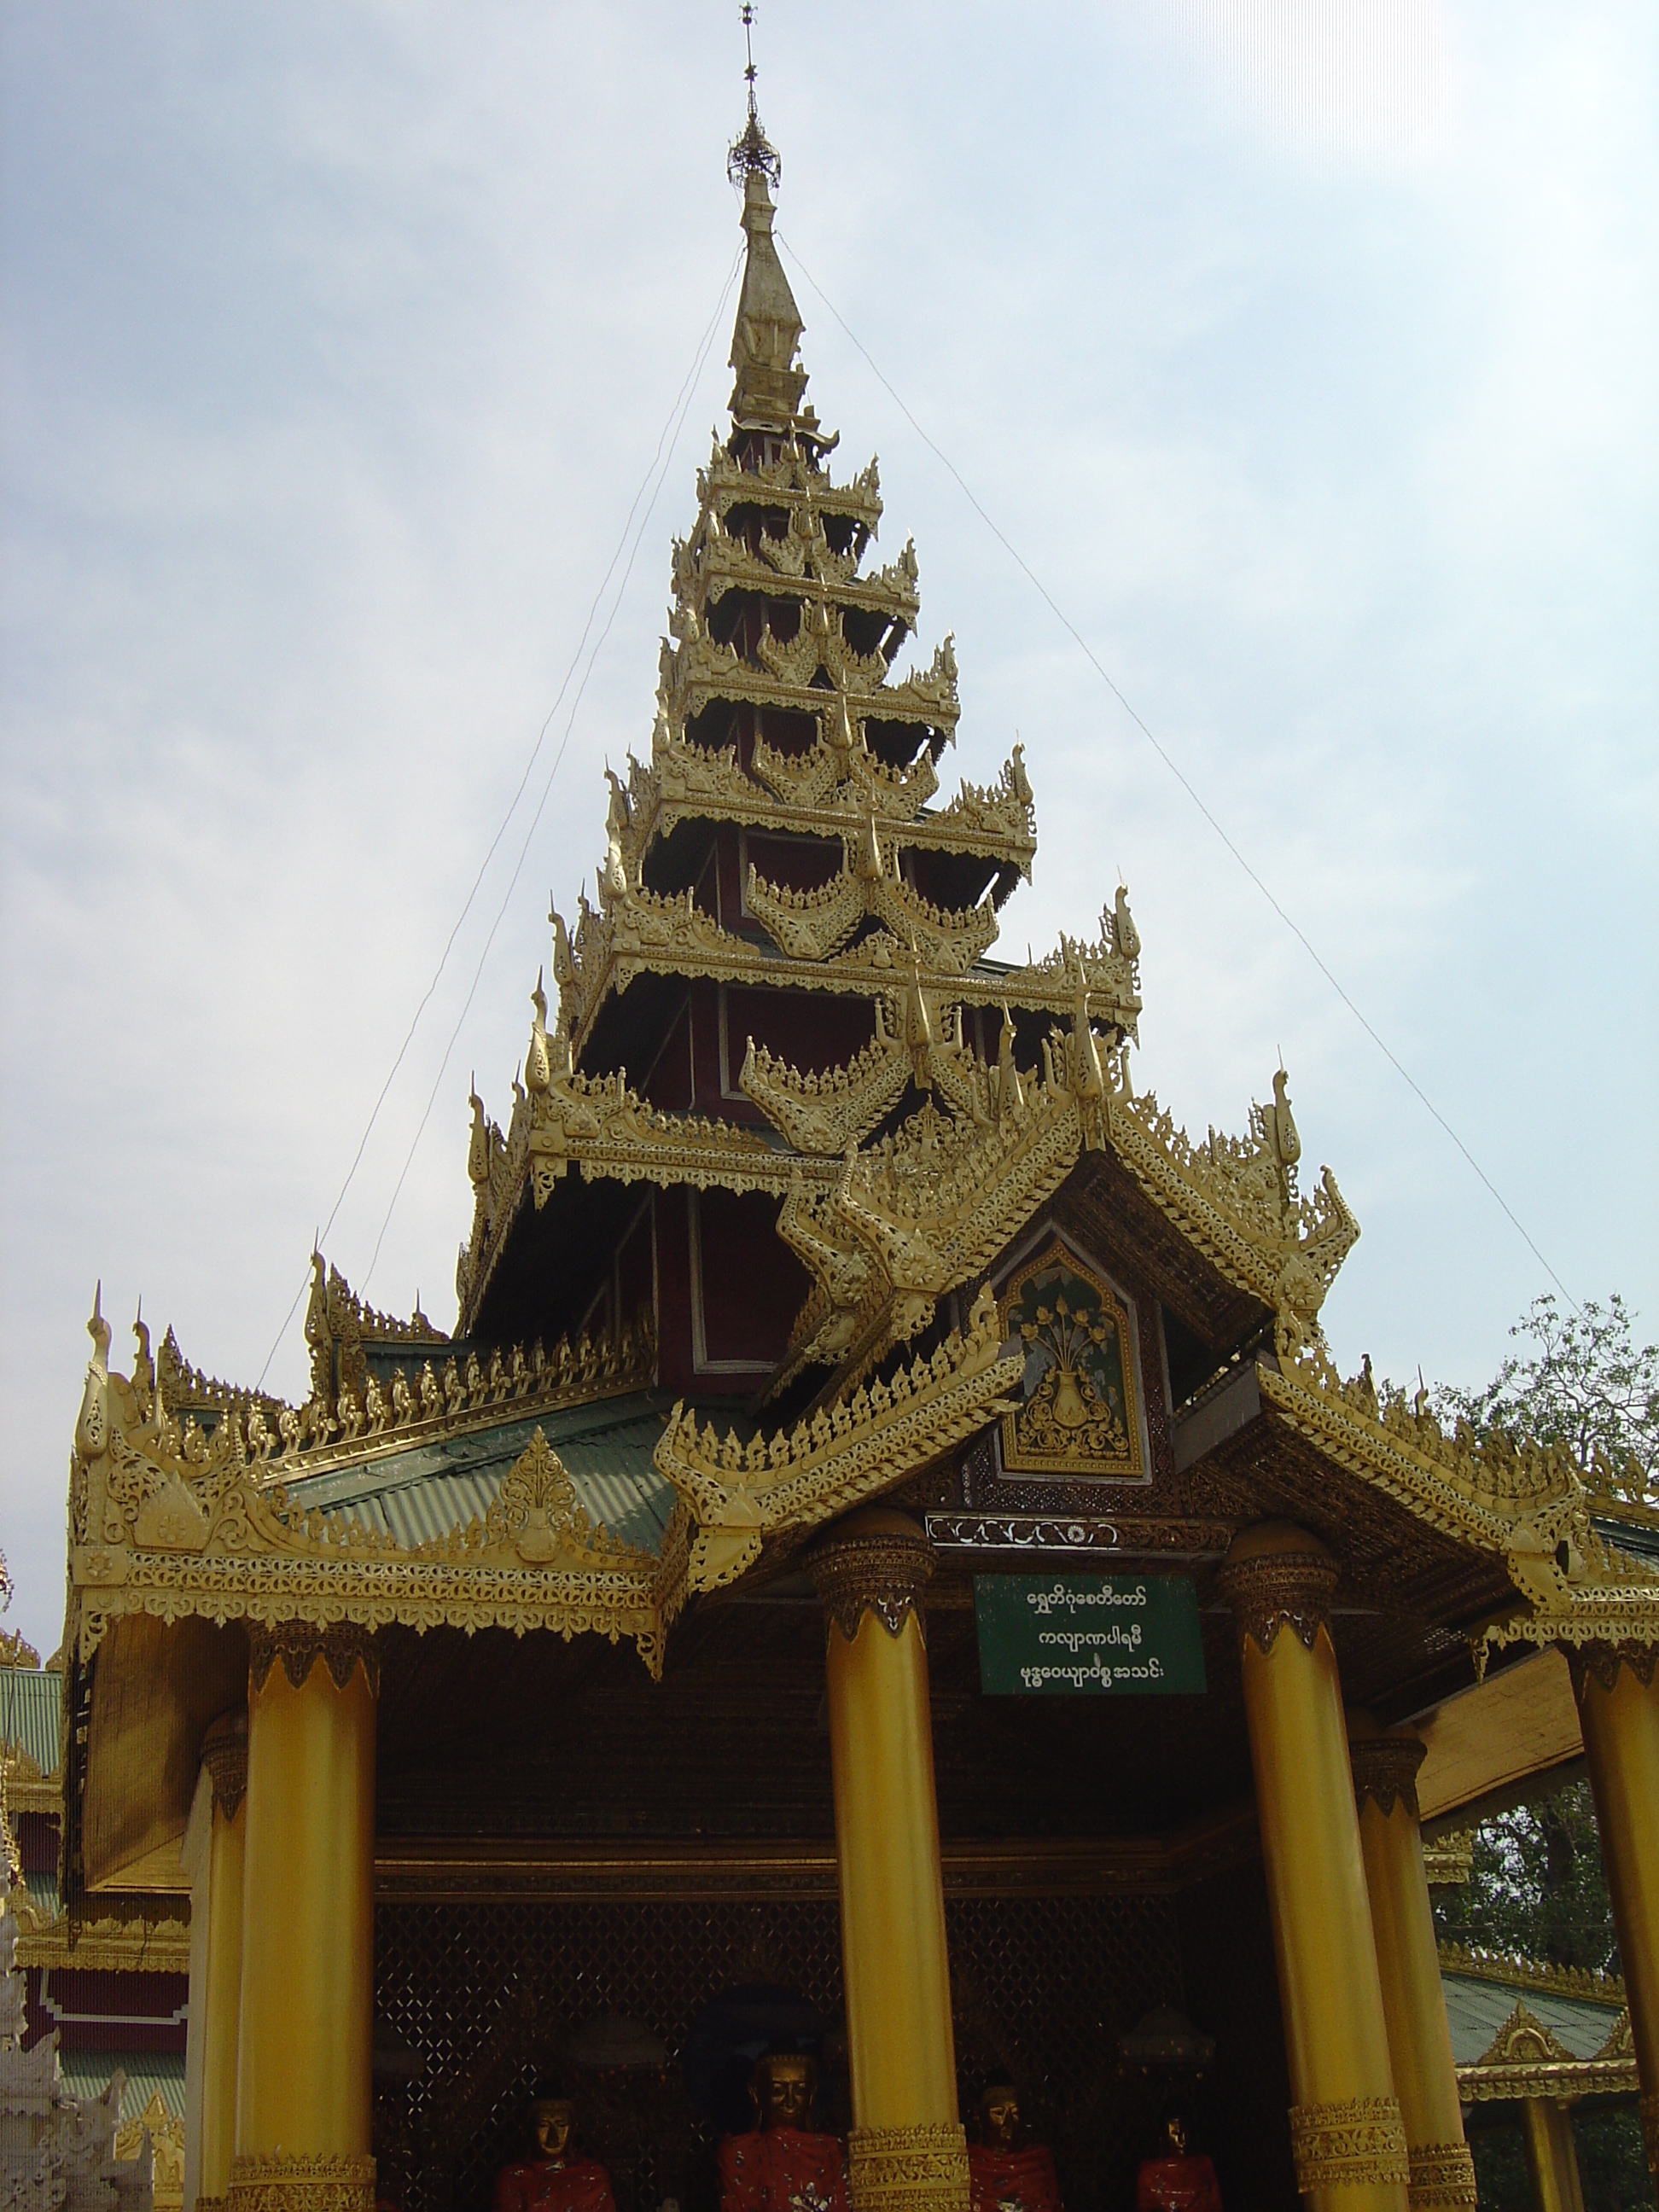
{"type": "Point", "coordinates": [1128, 1635]}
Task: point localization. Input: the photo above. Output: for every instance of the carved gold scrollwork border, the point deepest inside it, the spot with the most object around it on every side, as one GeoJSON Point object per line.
{"type": "Point", "coordinates": [1442, 2179]}
{"type": "Point", "coordinates": [883, 1573]}
{"type": "Point", "coordinates": [1359, 2142]}
{"type": "Point", "coordinates": [916, 2169]}
{"type": "Point", "coordinates": [1280, 1588]}
{"type": "Point", "coordinates": [299, 1644]}
{"type": "Point", "coordinates": [294, 2184]}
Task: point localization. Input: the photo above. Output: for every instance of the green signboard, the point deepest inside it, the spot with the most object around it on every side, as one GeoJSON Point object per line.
{"type": "Point", "coordinates": [1135, 1636]}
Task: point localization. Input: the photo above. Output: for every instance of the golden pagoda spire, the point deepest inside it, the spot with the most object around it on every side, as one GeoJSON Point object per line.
{"type": "Point", "coordinates": [768, 386]}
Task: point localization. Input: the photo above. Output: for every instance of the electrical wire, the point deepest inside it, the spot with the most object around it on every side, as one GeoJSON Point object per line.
{"type": "Point", "coordinates": [675, 417]}
{"type": "Point", "coordinates": [683, 400]}
{"type": "Point", "coordinates": [1066, 622]}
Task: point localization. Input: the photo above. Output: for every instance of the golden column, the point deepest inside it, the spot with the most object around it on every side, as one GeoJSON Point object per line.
{"type": "Point", "coordinates": [1346, 2131]}
{"type": "Point", "coordinates": [907, 2151]}
{"type": "Point", "coordinates": [307, 2009]}
{"type": "Point", "coordinates": [1618, 1692]}
{"type": "Point", "coordinates": [224, 1759]}
{"type": "Point", "coordinates": [1408, 1965]}
{"type": "Point", "coordinates": [1552, 2155]}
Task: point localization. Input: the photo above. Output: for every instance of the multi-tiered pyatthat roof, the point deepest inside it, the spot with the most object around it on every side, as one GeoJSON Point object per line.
{"type": "Point", "coordinates": [791, 935]}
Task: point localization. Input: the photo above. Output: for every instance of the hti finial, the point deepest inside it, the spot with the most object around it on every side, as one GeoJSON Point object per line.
{"type": "Point", "coordinates": [752, 153]}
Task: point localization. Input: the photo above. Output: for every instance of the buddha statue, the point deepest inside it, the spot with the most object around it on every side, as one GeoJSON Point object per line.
{"type": "Point", "coordinates": [553, 2178]}
{"type": "Point", "coordinates": [1006, 2172]}
{"type": "Point", "coordinates": [784, 2166]}
{"type": "Point", "coordinates": [1177, 2180]}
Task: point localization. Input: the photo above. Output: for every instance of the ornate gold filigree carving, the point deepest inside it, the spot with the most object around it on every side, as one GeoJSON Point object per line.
{"type": "Point", "coordinates": [166, 2141]}
{"type": "Point", "coordinates": [1449, 1863]}
{"type": "Point", "coordinates": [282, 2183]}
{"type": "Point", "coordinates": [1080, 1411]}
{"type": "Point", "coordinates": [1279, 1588]}
{"type": "Point", "coordinates": [537, 1512]}
{"type": "Point", "coordinates": [1442, 2179]}
{"type": "Point", "coordinates": [792, 481]}
{"type": "Point", "coordinates": [915, 2169]}
{"type": "Point", "coordinates": [883, 1571]}
{"type": "Point", "coordinates": [1525, 2040]}
{"type": "Point", "coordinates": [298, 1645]}
{"type": "Point", "coordinates": [1238, 1200]}
{"type": "Point", "coordinates": [1385, 1771]}
{"type": "Point", "coordinates": [824, 1114]}
{"type": "Point", "coordinates": [833, 785]}
{"type": "Point", "coordinates": [270, 1560]}
{"type": "Point", "coordinates": [1525, 1503]}
{"type": "Point", "coordinates": [1358, 2141]}
{"type": "Point", "coordinates": [109, 1945]}
{"type": "Point", "coordinates": [739, 1494]}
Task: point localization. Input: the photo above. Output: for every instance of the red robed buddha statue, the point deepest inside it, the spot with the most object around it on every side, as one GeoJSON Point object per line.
{"type": "Point", "coordinates": [783, 2166]}
{"type": "Point", "coordinates": [554, 2180]}
{"type": "Point", "coordinates": [1007, 2173]}
{"type": "Point", "coordinates": [1179, 2181]}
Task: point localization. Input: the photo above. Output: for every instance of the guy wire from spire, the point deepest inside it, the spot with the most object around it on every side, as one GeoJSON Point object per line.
{"type": "Point", "coordinates": [1088, 653]}
{"type": "Point", "coordinates": [678, 407]}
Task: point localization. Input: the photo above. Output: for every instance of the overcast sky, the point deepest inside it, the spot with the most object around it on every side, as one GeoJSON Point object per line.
{"type": "Point", "coordinates": [1308, 355]}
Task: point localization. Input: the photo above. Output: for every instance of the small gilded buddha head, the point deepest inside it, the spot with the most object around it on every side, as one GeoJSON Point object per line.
{"type": "Point", "coordinates": [998, 2114]}
{"type": "Point", "coordinates": [552, 2124]}
{"type": "Point", "coordinates": [784, 2086]}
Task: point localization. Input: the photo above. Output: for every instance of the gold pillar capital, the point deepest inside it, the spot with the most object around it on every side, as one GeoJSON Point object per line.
{"type": "Point", "coordinates": [1357, 2144]}
{"type": "Point", "coordinates": [916, 2169]}
{"type": "Point", "coordinates": [1601, 1663]}
{"type": "Point", "coordinates": [224, 1754]}
{"type": "Point", "coordinates": [877, 1561]}
{"type": "Point", "coordinates": [1384, 1766]}
{"type": "Point", "coordinates": [299, 1644]}
{"type": "Point", "coordinates": [1274, 1573]}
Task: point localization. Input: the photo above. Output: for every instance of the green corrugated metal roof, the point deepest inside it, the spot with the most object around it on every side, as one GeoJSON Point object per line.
{"type": "Point", "coordinates": [43, 1892]}
{"type": "Point", "coordinates": [437, 1487]}
{"type": "Point", "coordinates": [30, 1702]}
{"type": "Point", "coordinates": [1635, 1537]}
{"type": "Point", "coordinates": [1476, 2009]}
{"type": "Point", "coordinates": [89, 2073]}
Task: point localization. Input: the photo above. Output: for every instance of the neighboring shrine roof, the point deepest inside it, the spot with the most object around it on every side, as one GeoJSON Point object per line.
{"type": "Point", "coordinates": [30, 1702]}
{"type": "Point", "coordinates": [87, 2074]}
{"type": "Point", "coordinates": [1519, 2029]}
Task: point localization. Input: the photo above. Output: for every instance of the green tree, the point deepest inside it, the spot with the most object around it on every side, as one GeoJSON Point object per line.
{"type": "Point", "coordinates": [1537, 1885]}
{"type": "Point", "coordinates": [1580, 1381]}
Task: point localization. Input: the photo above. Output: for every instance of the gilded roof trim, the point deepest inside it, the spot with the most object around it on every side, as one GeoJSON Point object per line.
{"type": "Point", "coordinates": [210, 1534]}
{"type": "Point", "coordinates": [1526, 1503]}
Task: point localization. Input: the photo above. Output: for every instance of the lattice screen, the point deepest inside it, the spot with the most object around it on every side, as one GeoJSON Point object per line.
{"type": "Point", "coordinates": [485, 1996]}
